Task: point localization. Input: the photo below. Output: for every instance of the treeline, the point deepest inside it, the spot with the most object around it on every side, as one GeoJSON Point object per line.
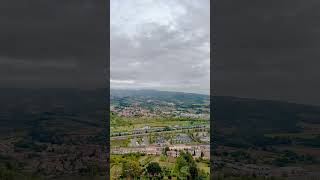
{"type": "Point", "coordinates": [185, 167]}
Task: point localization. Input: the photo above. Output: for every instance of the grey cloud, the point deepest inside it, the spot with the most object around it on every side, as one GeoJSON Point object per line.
{"type": "Point", "coordinates": [56, 42]}
{"type": "Point", "coordinates": [166, 56]}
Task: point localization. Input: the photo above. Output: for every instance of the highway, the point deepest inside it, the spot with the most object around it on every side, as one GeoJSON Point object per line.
{"type": "Point", "coordinates": [150, 131]}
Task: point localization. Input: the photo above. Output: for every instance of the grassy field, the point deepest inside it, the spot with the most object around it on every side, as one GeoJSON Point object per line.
{"type": "Point", "coordinates": [204, 166]}
{"type": "Point", "coordinates": [136, 123]}
{"type": "Point", "coordinates": [115, 171]}
{"type": "Point", "coordinates": [120, 142]}
{"type": "Point", "coordinates": [164, 161]}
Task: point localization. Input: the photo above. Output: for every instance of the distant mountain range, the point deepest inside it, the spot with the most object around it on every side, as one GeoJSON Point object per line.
{"type": "Point", "coordinates": [242, 113]}
{"type": "Point", "coordinates": [175, 97]}
{"type": "Point", "coordinates": [152, 93]}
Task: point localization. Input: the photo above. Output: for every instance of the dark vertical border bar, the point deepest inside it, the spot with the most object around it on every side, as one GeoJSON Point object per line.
{"type": "Point", "coordinates": [212, 52]}
{"type": "Point", "coordinates": [107, 10]}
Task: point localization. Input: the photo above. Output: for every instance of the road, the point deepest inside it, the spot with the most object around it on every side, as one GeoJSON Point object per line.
{"type": "Point", "coordinates": [148, 133]}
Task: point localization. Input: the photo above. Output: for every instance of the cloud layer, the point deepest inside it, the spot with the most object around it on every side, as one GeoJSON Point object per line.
{"type": "Point", "coordinates": [160, 45]}
{"type": "Point", "coordinates": [45, 43]}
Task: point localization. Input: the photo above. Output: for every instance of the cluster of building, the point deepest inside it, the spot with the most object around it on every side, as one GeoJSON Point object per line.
{"type": "Point", "coordinates": [150, 150]}
{"type": "Point", "coordinates": [202, 136]}
{"type": "Point", "coordinates": [196, 116]}
{"type": "Point", "coordinates": [177, 143]}
{"type": "Point", "coordinates": [196, 151]}
{"type": "Point", "coordinates": [132, 111]}
{"type": "Point", "coordinates": [135, 143]}
{"type": "Point", "coordinates": [160, 108]}
{"type": "Point", "coordinates": [182, 138]}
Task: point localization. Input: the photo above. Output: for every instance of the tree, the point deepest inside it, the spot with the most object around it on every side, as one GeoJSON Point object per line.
{"type": "Point", "coordinates": [165, 150]}
{"type": "Point", "coordinates": [193, 170]}
{"type": "Point", "coordinates": [131, 169]}
{"type": "Point", "coordinates": [183, 173]}
{"type": "Point", "coordinates": [167, 171]}
{"type": "Point", "coordinates": [154, 169]}
{"type": "Point", "coordinates": [188, 157]}
{"type": "Point", "coordinates": [183, 163]}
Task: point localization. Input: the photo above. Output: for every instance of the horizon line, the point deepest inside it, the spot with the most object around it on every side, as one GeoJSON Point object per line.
{"type": "Point", "coordinates": [141, 89]}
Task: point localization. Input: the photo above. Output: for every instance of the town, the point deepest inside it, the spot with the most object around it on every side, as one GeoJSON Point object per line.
{"type": "Point", "coordinates": [159, 129]}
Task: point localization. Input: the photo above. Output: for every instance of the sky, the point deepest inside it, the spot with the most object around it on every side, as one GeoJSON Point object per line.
{"type": "Point", "coordinates": [46, 43]}
{"type": "Point", "coordinates": [162, 45]}
{"type": "Point", "coordinates": [267, 49]}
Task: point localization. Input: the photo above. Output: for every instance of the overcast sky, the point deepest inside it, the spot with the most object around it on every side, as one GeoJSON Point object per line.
{"type": "Point", "coordinates": [46, 43]}
{"type": "Point", "coordinates": [268, 49]}
{"type": "Point", "coordinates": [163, 45]}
